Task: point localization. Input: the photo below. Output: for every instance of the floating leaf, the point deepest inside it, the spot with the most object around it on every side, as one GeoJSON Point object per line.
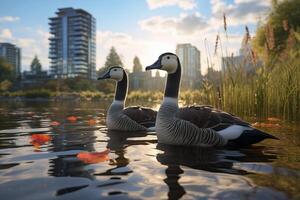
{"type": "Point", "coordinates": [92, 122]}
{"type": "Point", "coordinates": [72, 118]}
{"type": "Point", "coordinates": [39, 139]}
{"type": "Point", "coordinates": [266, 125]}
{"type": "Point", "coordinates": [93, 157]}
{"type": "Point", "coordinates": [273, 119]}
{"type": "Point", "coordinates": [55, 123]}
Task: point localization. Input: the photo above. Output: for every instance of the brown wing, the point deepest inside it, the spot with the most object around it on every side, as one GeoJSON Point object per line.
{"type": "Point", "coordinates": [143, 116]}
{"type": "Point", "coordinates": [208, 117]}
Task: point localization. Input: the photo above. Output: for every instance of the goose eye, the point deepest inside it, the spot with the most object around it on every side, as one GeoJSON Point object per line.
{"type": "Point", "coordinates": [115, 70]}
{"type": "Point", "coordinates": [168, 57]}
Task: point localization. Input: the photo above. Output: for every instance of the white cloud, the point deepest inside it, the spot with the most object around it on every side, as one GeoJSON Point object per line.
{"type": "Point", "coordinates": [6, 34]}
{"type": "Point", "coordinates": [184, 4]}
{"type": "Point", "coordinates": [240, 12]}
{"type": "Point", "coordinates": [186, 24]}
{"type": "Point", "coordinates": [9, 19]}
{"type": "Point", "coordinates": [30, 46]}
{"type": "Point", "coordinates": [128, 46]}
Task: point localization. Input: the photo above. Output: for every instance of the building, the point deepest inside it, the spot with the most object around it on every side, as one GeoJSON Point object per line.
{"type": "Point", "coordinates": [72, 50]}
{"type": "Point", "coordinates": [246, 59]}
{"type": "Point", "coordinates": [232, 61]}
{"type": "Point", "coordinates": [189, 57]}
{"type": "Point", "coordinates": [139, 80]}
{"type": "Point", "coordinates": [13, 56]}
{"type": "Point", "coordinates": [144, 80]}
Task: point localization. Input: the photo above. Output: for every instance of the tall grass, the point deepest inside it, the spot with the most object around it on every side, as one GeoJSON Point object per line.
{"type": "Point", "coordinates": [270, 88]}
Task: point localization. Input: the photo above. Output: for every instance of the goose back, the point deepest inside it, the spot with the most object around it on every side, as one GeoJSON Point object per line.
{"type": "Point", "coordinates": [176, 131]}
{"type": "Point", "coordinates": [209, 117]}
{"type": "Point", "coordinates": [117, 120]}
{"type": "Point", "coordinates": [141, 115]}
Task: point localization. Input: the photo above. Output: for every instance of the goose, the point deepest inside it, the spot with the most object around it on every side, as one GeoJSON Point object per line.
{"type": "Point", "coordinates": [202, 126]}
{"type": "Point", "coordinates": [129, 119]}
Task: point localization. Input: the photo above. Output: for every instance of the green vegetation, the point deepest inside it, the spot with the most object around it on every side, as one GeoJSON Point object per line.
{"type": "Point", "coordinates": [36, 66]}
{"type": "Point", "coordinates": [112, 59]}
{"type": "Point", "coordinates": [137, 66]}
{"type": "Point", "coordinates": [6, 70]}
{"type": "Point", "coordinates": [6, 75]}
{"type": "Point", "coordinates": [269, 88]}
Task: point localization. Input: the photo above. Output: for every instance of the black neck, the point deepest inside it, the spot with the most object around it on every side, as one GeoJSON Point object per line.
{"type": "Point", "coordinates": [121, 89]}
{"type": "Point", "coordinates": [173, 83]}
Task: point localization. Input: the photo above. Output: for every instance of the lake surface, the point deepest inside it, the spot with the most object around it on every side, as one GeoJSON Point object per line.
{"type": "Point", "coordinates": [40, 146]}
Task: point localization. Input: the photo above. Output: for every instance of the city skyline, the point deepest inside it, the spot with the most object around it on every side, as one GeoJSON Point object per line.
{"type": "Point", "coordinates": [136, 28]}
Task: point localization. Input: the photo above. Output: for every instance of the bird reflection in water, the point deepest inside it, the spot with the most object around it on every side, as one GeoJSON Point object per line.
{"type": "Point", "coordinates": [117, 143]}
{"type": "Point", "coordinates": [206, 159]}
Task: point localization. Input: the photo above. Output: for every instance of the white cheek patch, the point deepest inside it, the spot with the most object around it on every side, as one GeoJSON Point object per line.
{"type": "Point", "coordinates": [169, 65]}
{"type": "Point", "coordinates": [116, 75]}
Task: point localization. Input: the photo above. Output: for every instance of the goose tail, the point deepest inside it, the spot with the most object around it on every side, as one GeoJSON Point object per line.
{"type": "Point", "coordinates": [252, 136]}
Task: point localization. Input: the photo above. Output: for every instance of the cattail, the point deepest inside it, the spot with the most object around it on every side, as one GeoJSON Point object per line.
{"type": "Point", "coordinates": [248, 37]}
{"type": "Point", "coordinates": [217, 43]}
{"type": "Point", "coordinates": [291, 39]}
{"type": "Point", "coordinates": [266, 50]}
{"type": "Point", "coordinates": [253, 57]}
{"type": "Point", "coordinates": [269, 34]}
{"type": "Point", "coordinates": [225, 24]}
{"type": "Point", "coordinates": [285, 25]}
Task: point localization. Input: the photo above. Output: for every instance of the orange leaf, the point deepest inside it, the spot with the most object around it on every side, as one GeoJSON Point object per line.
{"type": "Point", "coordinates": [39, 139]}
{"type": "Point", "coordinates": [72, 118]}
{"type": "Point", "coordinates": [55, 123]}
{"type": "Point", "coordinates": [93, 157]}
{"type": "Point", "coordinates": [266, 125]}
{"type": "Point", "coordinates": [273, 119]}
{"type": "Point", "coordinates": [92, 122]}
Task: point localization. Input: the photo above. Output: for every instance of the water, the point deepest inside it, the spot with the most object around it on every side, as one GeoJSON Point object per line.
{"type": "Point", "coordinates": [137, 167]}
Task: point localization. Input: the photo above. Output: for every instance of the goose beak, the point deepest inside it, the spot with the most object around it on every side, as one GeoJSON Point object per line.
{"type": "Point", "coordinates": [156, 65]}
{"type": "Point", "coordinates": [106, 75]}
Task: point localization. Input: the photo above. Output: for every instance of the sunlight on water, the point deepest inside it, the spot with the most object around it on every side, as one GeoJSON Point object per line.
{"type": "Point", "coordinates": [63, 150]}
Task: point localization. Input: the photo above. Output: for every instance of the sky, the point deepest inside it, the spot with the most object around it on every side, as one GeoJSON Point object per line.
{"type": "Point", "coordinates": [143, 28]}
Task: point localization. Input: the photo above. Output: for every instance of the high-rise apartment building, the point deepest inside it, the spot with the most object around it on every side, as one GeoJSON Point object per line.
{"type": "Point", "coordinates": [72, 44]}
{"type": "Point", "coordinates": [189, 57]}
{"type": "Point", "coordinates": [12, 54]}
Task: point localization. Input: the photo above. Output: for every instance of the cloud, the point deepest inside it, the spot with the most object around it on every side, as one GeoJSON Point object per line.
{"type": "Point", "coordinates": [128, 46]}
{"type": "Point", "coordinates": [6, 34]}
{"type": "Point", "coordinates": [37, 44]}
{"type": "Point", "coordinates": [240, 12]}
{"type": "Point", "coordinates": [184, 4]}
{"type": "Point", "coordinates": [9, 19]}
{"type": "Point", "coordinates": [186, 24]}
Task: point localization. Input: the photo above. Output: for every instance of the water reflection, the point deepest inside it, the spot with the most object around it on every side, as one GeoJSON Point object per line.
{"type": "Point", "coordinates": [138, 167]}
{"type": "Point", "coordinates": [206, 159]}
{"type": "Point", "coordinates": [173, 172]}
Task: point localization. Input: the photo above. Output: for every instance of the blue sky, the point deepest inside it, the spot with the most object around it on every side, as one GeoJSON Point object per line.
{"type": "Point", "coordinates": [144, 28]}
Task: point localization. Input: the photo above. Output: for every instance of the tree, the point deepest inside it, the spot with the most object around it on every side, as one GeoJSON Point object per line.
{"type": "Point", "coordinates": [280, 32]}
{"type": "Point", "coordinates": [35, 65]}
{"type": "Point", "coordinates": [5, 85]}
{"type": "Point", "coordinates": [137, 66]}
{"type": "Point", "coordinates": [113, 59]}
{"type": "Point", "coordinates": [6, 70]}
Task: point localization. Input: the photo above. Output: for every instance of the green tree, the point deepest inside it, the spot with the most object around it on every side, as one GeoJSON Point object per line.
{"type": "Point", "coordinates": [35, 65]}
{"type": "Point", "coordinates": [279, 34]}
{"type": "Point", "coordinates": [137, 66]}
{"type": "Point", "coordinates": [5, 85]}
{"type": "Point", "coordinates": [113, 59]}
{"type": "Point", "coordinates": [6, 70]}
